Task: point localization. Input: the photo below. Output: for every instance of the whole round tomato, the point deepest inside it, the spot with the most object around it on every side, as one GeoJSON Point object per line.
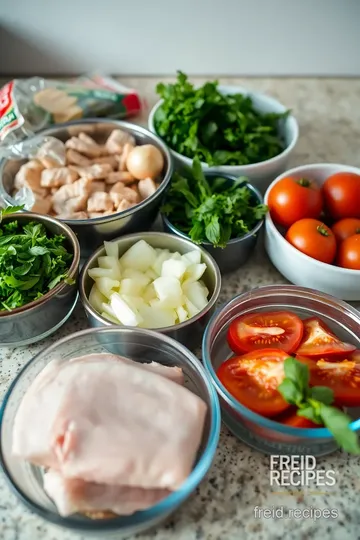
{"type": "Point", "coordinates": [292, 199]}
{"type": "Point", "coordinates": [313, 238]}
{"type": "Point", "coordinates": [349, 253]}
{"type": "Point", "coordinates": [342, 195]}
{"type": "Point", "coordinates": [346, 227]}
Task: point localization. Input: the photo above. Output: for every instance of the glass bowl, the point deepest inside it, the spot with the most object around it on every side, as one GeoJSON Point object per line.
{"type": "Point", "coordinates": [141, 346]}
{"type": "Point", "coordinates": [256, 431]}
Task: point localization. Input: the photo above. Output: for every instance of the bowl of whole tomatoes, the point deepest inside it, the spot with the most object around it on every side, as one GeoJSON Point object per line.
{"type": "Point", "coordinates": [312, 230]}
{"type": "Point", "coordinates": [285, 361]}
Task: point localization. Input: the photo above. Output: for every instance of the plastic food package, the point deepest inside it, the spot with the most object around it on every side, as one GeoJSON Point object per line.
{"type": "Point", "coordinates": [29, 105]}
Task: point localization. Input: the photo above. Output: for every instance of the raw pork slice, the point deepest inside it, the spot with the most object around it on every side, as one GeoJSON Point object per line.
{"type": "Point", "coordinates": [72, 496]}
{"type": "Point", "coordinates": [110, 422]}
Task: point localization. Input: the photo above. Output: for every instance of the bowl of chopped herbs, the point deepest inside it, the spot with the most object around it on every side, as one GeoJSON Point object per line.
{"type": "Point", "coordinates": [39, 263]}
{"type": "Point", "coordinates": [221, 212]}
{"type": "Point", "coordinates": [226, 127]}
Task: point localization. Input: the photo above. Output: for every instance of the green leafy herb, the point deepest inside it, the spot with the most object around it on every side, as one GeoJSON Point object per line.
{"type": "Point", "coordinates": [32, 262]}
{"type": "Point", "coordinates": [213, 211]}
{"type": "Point", "coordinates": [315, 404]}
{"type": "Point", "coordinates": [218, 129]}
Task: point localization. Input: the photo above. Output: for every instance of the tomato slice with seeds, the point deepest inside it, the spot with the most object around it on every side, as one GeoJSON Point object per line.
{"type": "Point", "coordinates": [280, 329]}
{"type": "Point", "coordinates": [342, 376]}
{"type": "Point", "coordinates": [253, 379]}
{"type": "Point", "coordinates": [290, 418]}
{"type": "Point", "coordinates": [319, 340]}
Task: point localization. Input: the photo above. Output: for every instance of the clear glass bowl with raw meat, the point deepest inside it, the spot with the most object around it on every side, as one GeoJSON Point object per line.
{"type": "Point", "coordinates": [102, 177]}
{"type": "Point", "coordinates": [109, 430]}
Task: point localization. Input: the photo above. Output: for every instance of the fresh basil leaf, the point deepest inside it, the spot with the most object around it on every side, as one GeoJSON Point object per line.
{"type": "Point", "coordinates": [212, 230]}
{"type": "Point", "coordinates": [337, 423]}
{"type": "Point", "coordinates": [290, 392]}
{"type": "Point", "coordinates": [309, 412]}
{"type": "Point", "coordinates": [323, 394]}
{"type": "Point", "coordinates": [297, 372]}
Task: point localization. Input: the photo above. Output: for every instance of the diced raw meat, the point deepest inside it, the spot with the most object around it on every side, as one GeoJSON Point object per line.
{"type": "Point", "coordinates": [110, 160]}
{"type": "Point", "coordinates": [74, 215]}
{"type": "Point", "coordinates": [97, 185]}
{"type": "Point", "coordinates": [75, 158]}
{"type": "Point", "coordinates": [117, 140]}
{"type": "Point", "coordinates": [121, 159]}
{"type": "Point", "coordinates": [29, 175]}
{"type": "Point", "coordinates": [72, 496]}
{"type": "Point", "coordinates": [52, 153]}
{"type": "Point", "coordinates": [119, 176]}
{"type": "Point", "coordinates": [89, 150]}
{"type": "Point", "coordinates": [110, 422]}
{"type": "Point", "coordinates": [42, 205]}
{"type": "Point", "coordinates": [125, 193]}
{"type": "Point", "coordinates": [56, 177]}
{"type": "Point", "coordinates": [99, 201]}
{"type": "Point", "coordinates": [146, 187]}
{"type": "Point", "coordinates": [120, 203]}
{"type": "Point", "coordinates": [94, 172]}
{"type": "Point", "coordinates": [71, 197]}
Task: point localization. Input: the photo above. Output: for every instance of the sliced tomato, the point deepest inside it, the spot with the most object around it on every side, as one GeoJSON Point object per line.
{"type": "Point", "coordinates": [290, 418]}
{"type": "Point", "coordinates": [253, 380]}
{"type": "Point", "coordinates": [342, 376]}
{"type": "Point", "coordinates": [319, 340]}
{"type": "Point", "coordinates": [280, 329]}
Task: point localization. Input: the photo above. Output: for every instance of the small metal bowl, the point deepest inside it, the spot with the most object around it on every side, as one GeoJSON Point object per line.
{"type": "Point", "coordinates": [41, 318]}
{"type": "Point", "coordinates": [238, 250]}
{"type": "Point", "coordinates": [265, 434]}
{"type": "Point", "coordinates": [142, 346]}
{"type": "Point", "coordinates": [92, 232]}
{"type": "Point", "coordinates": [189, 332]}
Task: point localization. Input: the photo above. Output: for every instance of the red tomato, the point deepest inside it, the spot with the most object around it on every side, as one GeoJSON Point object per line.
{"type": "Point", "coordinates": [342, 376]}
{"type": "Point", "coordinates": [319, 340]}
{"type": "Point", "coordinates": [253, 380]}
{"type": "Point", "coordinates": [290, 418]}
{"type": "Point", "coordinates": [349, 252]}
{"type": "Point", "coordinates": [342, 195]}
{"type": "Point", "coordinates": [345, 227]}
{"type": "Point", "coordinates": [313, 238]}
{"type": "Point", "coordinates": [280, 329]}
{"type": "Point", "coordinates": [292, 199]}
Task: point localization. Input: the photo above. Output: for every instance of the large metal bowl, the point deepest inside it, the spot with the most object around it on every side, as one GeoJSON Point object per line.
{"type": "Point", "coordinates": [189, 332]}
{"type": "Point", "coordinates": [92, 232]}
{"type": "Point", "coordinates": [38, 319]}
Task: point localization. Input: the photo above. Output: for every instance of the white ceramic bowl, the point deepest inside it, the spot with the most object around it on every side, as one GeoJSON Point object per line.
{"type": "Point", "coordinates": [299, 268]}
{"type": "Point", "coordinates": [259, 174]}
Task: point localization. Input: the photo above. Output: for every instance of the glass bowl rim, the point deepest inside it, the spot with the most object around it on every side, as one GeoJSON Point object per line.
{"type": "Point", "coordinates": [164, 507]}
{"type": "Point", "coordinates": [311, 433]}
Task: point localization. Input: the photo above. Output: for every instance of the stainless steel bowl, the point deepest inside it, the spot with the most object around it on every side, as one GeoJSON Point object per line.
{"type": "Point", "coordinates": [238, 250]}
{"type": "Point", "coordinates": [92, 232]}
{"type": "Point", "coordinates": [142, 346]}
{"type": "Point", "coordinates": [41, 318]}
{"type": "Point", "coordinates": [189, 332]}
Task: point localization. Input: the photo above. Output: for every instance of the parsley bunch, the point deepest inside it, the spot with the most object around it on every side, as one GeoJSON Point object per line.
{"type": "Point", "coordinates": [218, 129]}
{"type": "Point", "coordinates": [214, 211]}
{"type": "Point", "coordinates": [32, 261]}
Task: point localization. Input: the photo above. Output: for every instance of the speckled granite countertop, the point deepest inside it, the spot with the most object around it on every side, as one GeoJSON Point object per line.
{"type": "Point", "coordinates": [328, 111]}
